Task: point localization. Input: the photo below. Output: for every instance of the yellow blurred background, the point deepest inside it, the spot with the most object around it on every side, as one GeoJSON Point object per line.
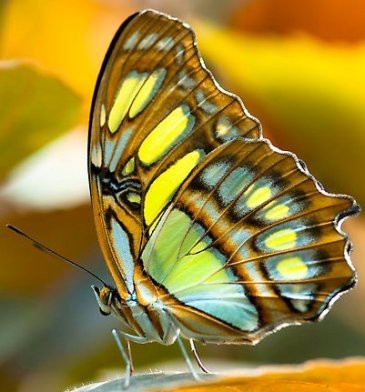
{"type": "Point", "coordinates": [298, 66]}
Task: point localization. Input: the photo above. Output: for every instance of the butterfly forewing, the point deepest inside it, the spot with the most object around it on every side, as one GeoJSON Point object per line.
{"type": "Point", "coordinates": [234, 236]}
{"type": "Point", "coordinates": [155, 106]}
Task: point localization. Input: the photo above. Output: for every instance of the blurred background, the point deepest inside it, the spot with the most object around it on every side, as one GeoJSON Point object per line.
{"type": "Point", "coordinates": [298, 66]}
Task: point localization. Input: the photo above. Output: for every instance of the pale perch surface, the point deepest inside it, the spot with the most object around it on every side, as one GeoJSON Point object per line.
{"type": "Point", "coordinates": [325, 375]}
{"type": "Point", "coordinates": [143, 382]}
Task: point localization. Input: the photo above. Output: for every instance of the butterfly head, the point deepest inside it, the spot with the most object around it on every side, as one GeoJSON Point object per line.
{"type": "Point", "coordinates": [106, 298]}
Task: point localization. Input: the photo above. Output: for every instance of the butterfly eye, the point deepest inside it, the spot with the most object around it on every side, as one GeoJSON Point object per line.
{"type": "Point", "coordinates": [103, 312]}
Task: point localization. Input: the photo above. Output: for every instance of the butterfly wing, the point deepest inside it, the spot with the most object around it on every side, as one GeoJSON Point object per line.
{"type": "Point", "coordinates": [156, 112]}
{"type": "Point", "coordinates": [251, 242]}
{"type": "Point", "coordinates": [234, 236]}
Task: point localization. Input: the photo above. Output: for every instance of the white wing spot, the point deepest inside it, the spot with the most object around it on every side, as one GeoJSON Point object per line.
{"type": "Point", "coordinates": [130, 43]}
{"type": "Point", "coordinates": [96, 158]}
{"type": "Point", "coordinates": [165, 44]}
{"type": "Point", "coordinates": [203, 102]}
{"type": "Point", "coordinates": [185, 81]}
{"type": "Point", "coordinates": [147, 41]}
{"type": "Point", "coordinates": [225, 130]}
{"type": "Point", "coordinates": [180, 52]}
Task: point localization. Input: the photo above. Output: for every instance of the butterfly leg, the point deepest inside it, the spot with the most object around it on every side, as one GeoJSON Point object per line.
{"type": "Point", "coordinates": [126, 354]}
{"type": "Point", "coordinates": [187, 359]}
{"type": "Point", "coordinates": [129, 353]}
{"type": "Point", "coordinates": [197, 358]}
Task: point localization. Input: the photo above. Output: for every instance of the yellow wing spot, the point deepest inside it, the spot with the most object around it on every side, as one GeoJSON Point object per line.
{"type": "Point", "coordinates": [102, 116]}
{"type": "Point", "coordinates": [165, 135]}
{"type": "Point", "coordinates": [275, 213]}
{"type": "Point", "coordinates": [128, 90]}
{"type": "Point", "coordinates": [164, 187]}
{"type": "Point", "coordinates": [128, 167]}
{"type": "Point", "coordinates": [292, 268]}
{"type": "Point", "coordinates": [281, 239]}
{"type": "Point", "coordinates": [147, 92]}
{"type": "Point", "coordinates": [258, 196]}
{"type": "Point", "coordinates": [134, 197]}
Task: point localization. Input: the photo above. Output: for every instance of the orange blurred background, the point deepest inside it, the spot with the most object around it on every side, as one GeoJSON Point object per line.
{"type": "Point", "coordinates": [299, 68]}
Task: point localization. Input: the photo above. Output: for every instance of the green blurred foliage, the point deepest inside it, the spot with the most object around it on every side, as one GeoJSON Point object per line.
{"type": "Point", "coordinates": [35, 108]}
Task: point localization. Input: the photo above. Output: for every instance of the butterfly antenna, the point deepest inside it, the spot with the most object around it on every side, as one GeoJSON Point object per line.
{"type": "Point", "coordinates": [44, 248]}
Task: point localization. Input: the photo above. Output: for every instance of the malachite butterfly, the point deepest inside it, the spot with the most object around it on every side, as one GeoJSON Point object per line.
{"type": "Point", "coordinates": [209, 232]}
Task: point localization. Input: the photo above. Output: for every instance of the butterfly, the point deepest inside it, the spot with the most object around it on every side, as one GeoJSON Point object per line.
{"type": "Point", "coordinates": [210, 233]}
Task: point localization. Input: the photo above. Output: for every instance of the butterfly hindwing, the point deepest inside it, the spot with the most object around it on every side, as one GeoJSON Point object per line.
{"type": "Point", "coordinates": [252, 240]}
